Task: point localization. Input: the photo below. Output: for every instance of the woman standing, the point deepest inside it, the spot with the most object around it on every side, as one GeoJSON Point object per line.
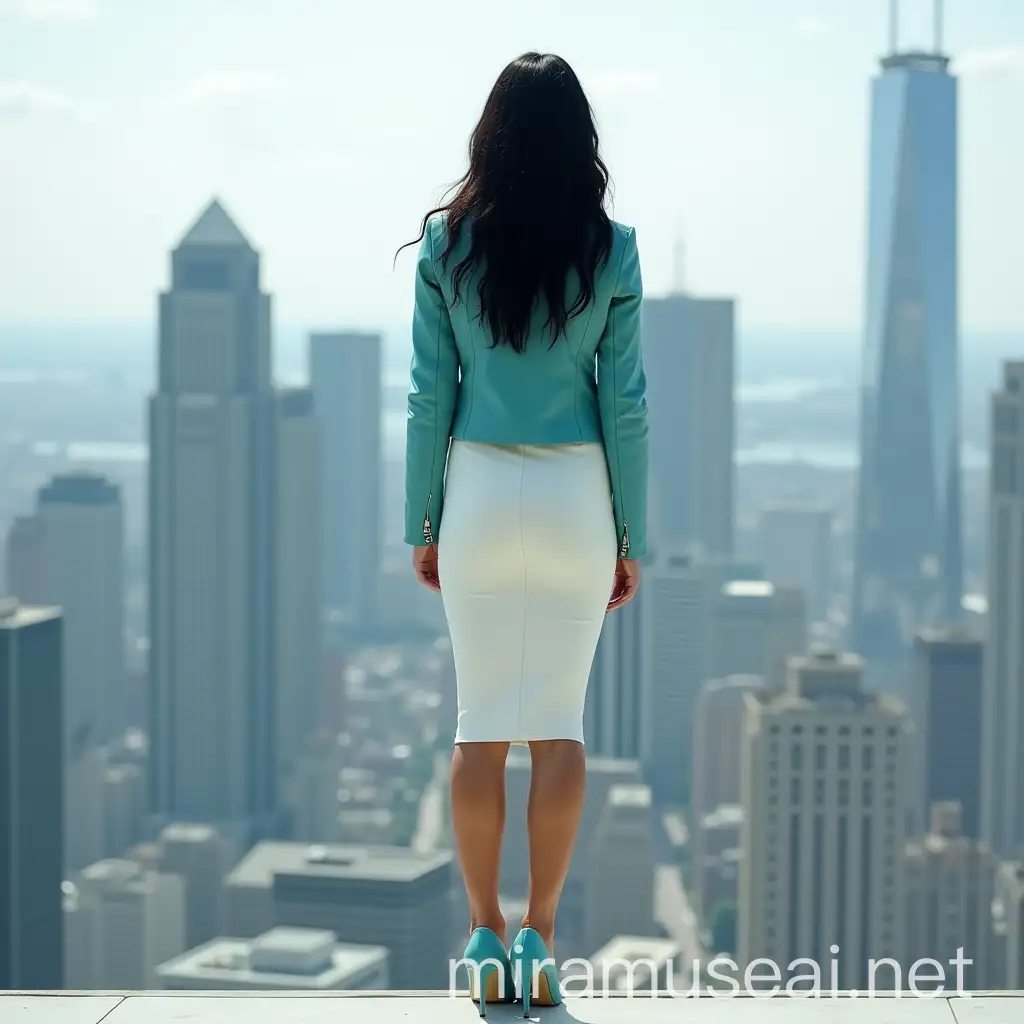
{"type": "Point", "coordinates": [528, 430]}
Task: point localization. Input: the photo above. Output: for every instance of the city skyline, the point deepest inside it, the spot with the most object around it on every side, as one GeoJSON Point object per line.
{"type": "Point", "coordinates": [259, 109]}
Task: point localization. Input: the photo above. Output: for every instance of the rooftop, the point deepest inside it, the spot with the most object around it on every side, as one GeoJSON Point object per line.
{"type": "Point", "coordinates": [282, 958]}
{"type": "Point", "coordinates": [371, 863]}
{"type": "Point", "coordinates": [214, 227]}
{"type": "Point", "coordinates": [14, 615]}
{"type": "Point", "coordinates": [437, 1008]}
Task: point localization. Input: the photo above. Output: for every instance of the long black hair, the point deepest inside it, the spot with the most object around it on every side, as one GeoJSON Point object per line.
{"type": "Point", "coordinates": [533, 200]}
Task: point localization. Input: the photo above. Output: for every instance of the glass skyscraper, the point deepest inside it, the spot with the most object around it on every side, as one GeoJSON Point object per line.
{"type": "Point", "coordinates": [907, 558]}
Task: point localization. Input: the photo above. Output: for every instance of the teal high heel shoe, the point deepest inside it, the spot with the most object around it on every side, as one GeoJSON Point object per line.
{"type": "Point", "coordinates": [530, 959]}
{"type": "Point", "coordinates": [490, 974]}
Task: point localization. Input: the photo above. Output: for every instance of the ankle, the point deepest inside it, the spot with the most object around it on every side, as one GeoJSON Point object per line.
{"type": "Point", "coordinates": [543, 925]}
{"type": "Point", "coordinates": [492, 919]}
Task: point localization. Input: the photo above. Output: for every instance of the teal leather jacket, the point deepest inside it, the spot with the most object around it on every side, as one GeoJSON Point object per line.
{"type": "Point", "coordinates": [589, 387]}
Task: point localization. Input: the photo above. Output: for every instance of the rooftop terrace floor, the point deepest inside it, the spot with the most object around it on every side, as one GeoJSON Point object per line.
{"type": "Point", "coordinates": [437, 1008]}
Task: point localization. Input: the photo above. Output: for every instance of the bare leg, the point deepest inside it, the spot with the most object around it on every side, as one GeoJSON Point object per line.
{"type": "Point", "coordinates": [557, 788]}
{"type": "Point", "coordinates": [478, 818]}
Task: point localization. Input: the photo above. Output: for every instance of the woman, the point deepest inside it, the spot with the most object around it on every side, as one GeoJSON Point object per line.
{"type": "Point", "coordinates": [528, 429]}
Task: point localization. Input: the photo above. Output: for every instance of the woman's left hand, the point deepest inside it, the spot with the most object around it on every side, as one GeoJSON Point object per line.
{"type": "Point", "coordinates": [424, 561]}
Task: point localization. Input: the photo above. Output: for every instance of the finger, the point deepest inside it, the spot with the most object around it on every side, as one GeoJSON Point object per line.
{"type": "Point", "coordinates": [623, 595]}
{"type": "Point", "coordinates": [428, 579]}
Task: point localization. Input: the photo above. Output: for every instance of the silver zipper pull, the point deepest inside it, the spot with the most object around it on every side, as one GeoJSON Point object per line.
{"type": "Point", "coordinates": [624, 547]}
{"type": "Point", "coordinates": [428, 533]}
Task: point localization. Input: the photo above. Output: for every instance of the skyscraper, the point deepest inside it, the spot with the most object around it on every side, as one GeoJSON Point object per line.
{"type": "Point", "coordinates": [946, 709]}
{"type": "Point", "coordinates": [73, 555]}
{"type": "Point", "coordinates": [297, 610]}
{"type": "Point", "coordinates": [824, 768]}
{"type": "Point", "coordinates": [345, 372]}
{"type": "Point", "coordinates": [1002, 795]}
{"type": "Point", "coordinates": [31, 780]}
{"type": "Point", "coordinates": [689, 350]}
{"type": "Point", "coordinates": [796, 551]}
{"type": "Point", "coordinates": [613, 716]}
{"type": "Point", "coordinates": [907, 560]}
{"type": "Point", "coordinates": [223, 445]}
{"type": "Point", "coordinates": [677, 610]}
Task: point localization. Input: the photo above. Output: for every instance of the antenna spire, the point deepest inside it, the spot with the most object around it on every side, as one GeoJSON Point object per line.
{"type": "Point", "coordinates": [894, 26]}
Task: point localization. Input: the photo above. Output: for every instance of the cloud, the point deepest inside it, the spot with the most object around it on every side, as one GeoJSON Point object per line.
{"type": "Point", "coordinates": [996, 60]}
{"type": "Point", "coordinates": [811, 25]}
{"type": "Point", "coordinates": [50, 10]}
{"type": "Point", "coordinates": [608, 84]}
{"type": "Point", "coordinates": [23, 99]}
{"type": "Point", "coordinates": [231, 86]}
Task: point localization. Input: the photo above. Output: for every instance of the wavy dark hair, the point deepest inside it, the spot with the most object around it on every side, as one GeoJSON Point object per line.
{"type": "Point", "coordinates": [533, 200]}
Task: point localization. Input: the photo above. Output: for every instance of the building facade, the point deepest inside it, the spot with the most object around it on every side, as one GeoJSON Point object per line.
{"type": "Point", "coordinates": [796, 551]}
{"type": "Point", "coordinates": [689, 354]}
{"type": "Point", "coordinates": [219, 642]}
{"type": "Point", "coordinates": [945, 706]}
{"type": "Point", "coordinates": [31, 798]}
{"type": "Point", "coordinates": [1002, 795]}
{"type": "Point", "coordinates": [346, 374]}
{"type": "Point", "coordinates": [823, 833]}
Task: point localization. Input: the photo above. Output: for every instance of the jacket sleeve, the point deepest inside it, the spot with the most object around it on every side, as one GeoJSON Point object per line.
{"type": "Point", "coordinates": [622, 387]}
{"type": "Point", "coordinates": [435, 383]}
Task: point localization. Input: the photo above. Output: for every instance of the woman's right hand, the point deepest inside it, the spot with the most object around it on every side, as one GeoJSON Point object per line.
{"type": "Point", "coordinates": [424, 561]}
{"type": "Point", "coordinates": [627, 579]}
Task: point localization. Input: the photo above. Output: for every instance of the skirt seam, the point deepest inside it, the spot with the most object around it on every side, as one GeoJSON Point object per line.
{"type": "Point", "coordinates": [526, 590]}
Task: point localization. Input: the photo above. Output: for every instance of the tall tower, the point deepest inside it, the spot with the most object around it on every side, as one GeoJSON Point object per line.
{"type": "Point", "coordinates": [212, 657]}
{"type": "Point", "coordinates": [689, 351]}
{"type": "Point", "coordinates": [345, 372]}
{"type": "Point", "coordinates": [1002, 730]}
{"type": "Point", "coordinates": [907, 570]}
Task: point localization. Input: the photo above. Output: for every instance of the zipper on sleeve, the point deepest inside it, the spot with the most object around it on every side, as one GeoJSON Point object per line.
{"type": "Point", "coordinates": [624, 546]}
{"type": "Point", "coordinates": [428, 532]}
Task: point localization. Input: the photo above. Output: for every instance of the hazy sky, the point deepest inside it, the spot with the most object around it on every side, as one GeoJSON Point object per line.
{"type": "Point", "coordinates": [328, 126]}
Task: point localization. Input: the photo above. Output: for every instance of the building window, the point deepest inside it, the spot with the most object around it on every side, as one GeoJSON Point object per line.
{"type": "Point", "coordinates": [868, 731]}
{"type": "Point", "coordinates": [821, 757]}
{"type": "Point", "coordinates": [892, 730]}
{"type": "Point", "coordinates": [844, 792]}
{"type": "Point", "coordinates": [868, 758]}
{"type": "Point", "coordinates": [773, 749]}
{"type": "Point", "coordinates": [844, 730]}
{"type": "Point", "coordinates": [774, 730]}
{"type": "Point", "coordinates": [844, 757]}
{"type": "Point", "coordinates": [868, 793]}
{"type": "Point", "coordinates": [796, 757]}
{"type": "Point", "coordinates": [819, 791]}
{"type": "Point", "coordinates": [794, 791]}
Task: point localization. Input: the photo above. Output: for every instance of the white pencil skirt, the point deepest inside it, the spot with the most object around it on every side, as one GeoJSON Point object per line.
{"type": "Point", "coordinates": [526, 561]}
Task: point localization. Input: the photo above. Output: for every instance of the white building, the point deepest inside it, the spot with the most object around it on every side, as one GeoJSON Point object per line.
{"type": "Point", "coordinates": [121, 921]}
{"type": "Point", "coordinates": [280, 959]}
{"type": "Point", "coordinates": [824, 777]}
{"type": "Point", "coordinates": [796, 551]}
{"type": "Point", "coordinates": [226, 608]}
{"type": "Point", "coordinates": [689, 351]}
{"type": "Point", "coordinates": [620, 862]}
{"type": "Point", "coordinates": [1002, 795]}
{"type": "Point", "coordinates": [345, 372]}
